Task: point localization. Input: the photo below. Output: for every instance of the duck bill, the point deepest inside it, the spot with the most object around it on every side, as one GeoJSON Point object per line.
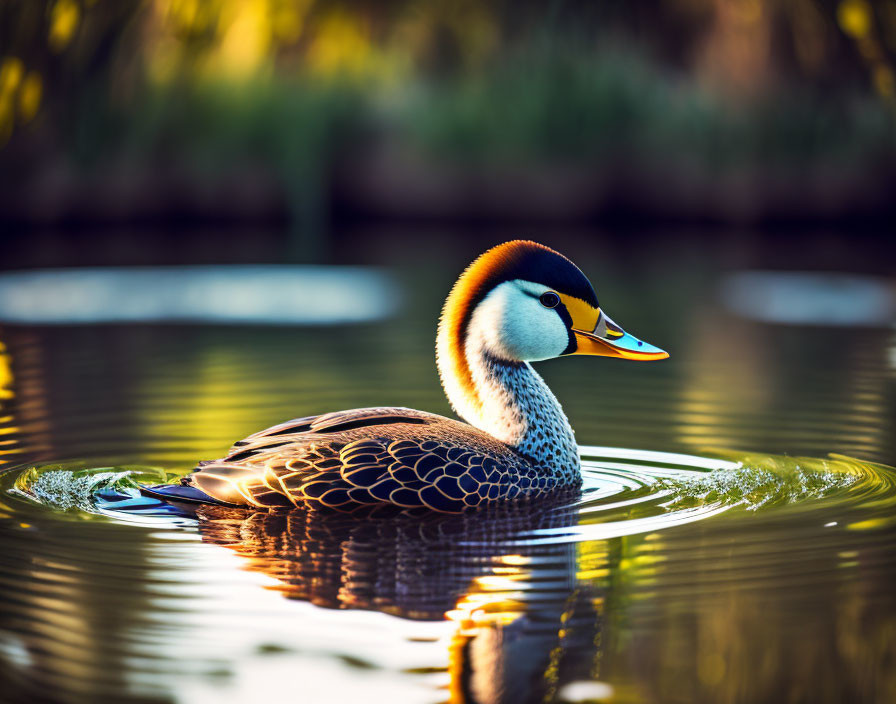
{"type": "Point", "coordinates": [607, 339]}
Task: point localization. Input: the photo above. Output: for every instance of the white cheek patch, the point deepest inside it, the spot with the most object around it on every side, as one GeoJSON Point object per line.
{"type": "Point", "coordinates": [512, 324]}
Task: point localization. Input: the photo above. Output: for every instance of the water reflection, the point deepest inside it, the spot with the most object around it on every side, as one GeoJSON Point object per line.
{"type": "Point", "coordinates": [395, 564]}
{"type": "Point", "coordinates": [527, 614]}
{"type": "Point", "coordinates": [523, 602]}
{"type": "Point", "coordinates": [791, 601]}
{"type": "Point", "coordinates": [525, 622]}
{"type": "Point", "coordinates": [746, 380]}
{"type": "Point", "coordinates": [734, 618]}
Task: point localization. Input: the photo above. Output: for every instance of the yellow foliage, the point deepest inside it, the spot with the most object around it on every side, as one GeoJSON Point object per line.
{"type": "Point", "coordinates": [64, 18]}
{"type": "Point", "coordinates": [340, 45]}
{"type": "Point", "coordinates": [884, 82]}
{"type": "Point", "coordinates": [182, 14]}
{"type": "Point", "coordinates": [29, 96]}
{"type": "Point", "coordinates": [288, 20]}
{"type": "Point", "coordinates": [245, 30]}
{"type": "Point", "coordinates": [854, 17]}
{"type": "Point", "coordinates": [17, 93]}
{"type": "Point", "coordinates": [11, 70]}
{"type": "Point", "coordinates": [241, 37]}
{"type": "Point", "coordinates": [164, 59]}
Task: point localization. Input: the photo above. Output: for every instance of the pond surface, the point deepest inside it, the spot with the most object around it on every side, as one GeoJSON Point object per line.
{"type": "Point", "coordinates": [719, 551]}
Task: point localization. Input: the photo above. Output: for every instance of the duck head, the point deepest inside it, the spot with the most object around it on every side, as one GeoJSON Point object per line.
{"type": "Point", "coordinates": [521, 302]}
{"type": "Point", "coordinates": [525, 303]}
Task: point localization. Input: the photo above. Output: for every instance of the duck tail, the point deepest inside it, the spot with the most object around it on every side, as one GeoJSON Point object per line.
{"type": "Point", "coordinates": [184, 493]}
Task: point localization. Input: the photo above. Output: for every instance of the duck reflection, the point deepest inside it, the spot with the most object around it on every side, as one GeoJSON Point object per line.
{"type": "Point", "coordinates": [525, 624]}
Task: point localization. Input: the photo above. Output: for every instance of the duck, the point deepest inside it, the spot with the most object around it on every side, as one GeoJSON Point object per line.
{"type": "Point", "coordinates": [518, 303]}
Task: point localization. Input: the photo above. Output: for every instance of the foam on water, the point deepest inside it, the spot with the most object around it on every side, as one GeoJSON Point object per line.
{"type": "Point", "coordinates": [79, 487]}
{"type": "Point", "coordinates": [66, 490]}
{"type": "Point", "coordinates": [754, 487]}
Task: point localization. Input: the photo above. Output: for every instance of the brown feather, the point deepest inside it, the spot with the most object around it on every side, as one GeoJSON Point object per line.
{"type": "Point", "coordinates": [370, 455]}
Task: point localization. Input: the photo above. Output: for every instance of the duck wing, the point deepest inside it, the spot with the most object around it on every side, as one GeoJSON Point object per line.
{"type": "Point", "coordinates": [336, 422]}
{"type": "Point", "coordinates": [367, 456]}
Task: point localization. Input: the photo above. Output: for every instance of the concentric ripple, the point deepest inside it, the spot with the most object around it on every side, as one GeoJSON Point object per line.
{"type": "Point", "coordinates": [625, 492]}
{"type": "Point", "coordinates": [708, 576]}
{"type": "Point", "coordinates": [168, 606]}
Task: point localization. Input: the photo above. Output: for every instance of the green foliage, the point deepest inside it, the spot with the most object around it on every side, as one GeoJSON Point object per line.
{"type": "Point", "coordinates": [587, 105]}
{"type": "Point", "coordinates": [241, 86]}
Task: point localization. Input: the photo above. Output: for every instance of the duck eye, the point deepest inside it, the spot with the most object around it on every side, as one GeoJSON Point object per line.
{"type": "Point", "coordinates": [549, 299]}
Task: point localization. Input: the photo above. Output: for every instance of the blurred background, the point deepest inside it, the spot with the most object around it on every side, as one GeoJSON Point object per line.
{"type": "Point", "coordinates": [178, 131]}
{"type": "Point", "coordinates": [216, 215]}
{"type": "Point", "coordinates": [723, 170]}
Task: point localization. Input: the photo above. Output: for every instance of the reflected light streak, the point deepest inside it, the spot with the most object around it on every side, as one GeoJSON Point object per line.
{"type": "Point", "coordinates": [269, 294]}
{"type": "Point", "coordinates": [810, 298]}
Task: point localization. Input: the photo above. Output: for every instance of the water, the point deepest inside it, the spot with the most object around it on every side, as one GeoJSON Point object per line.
{"type": "Point", "coordinates": [719, 552]}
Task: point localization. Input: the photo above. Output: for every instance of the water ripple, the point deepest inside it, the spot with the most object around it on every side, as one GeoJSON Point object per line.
{"type": "Point", "coordinates": [625, 492]}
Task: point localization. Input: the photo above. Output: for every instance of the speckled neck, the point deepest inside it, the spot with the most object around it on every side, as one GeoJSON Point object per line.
{"type": "Point", "coordinates": [518, 408]}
